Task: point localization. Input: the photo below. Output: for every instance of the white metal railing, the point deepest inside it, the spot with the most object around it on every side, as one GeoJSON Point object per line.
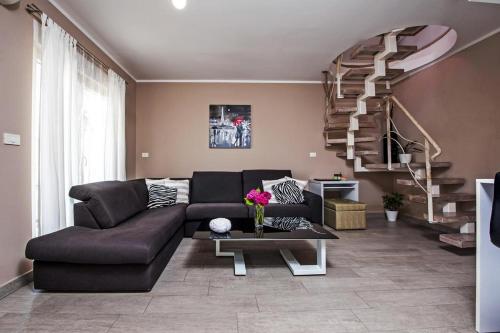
{"type": "Point", "coordinates": [428, 141]}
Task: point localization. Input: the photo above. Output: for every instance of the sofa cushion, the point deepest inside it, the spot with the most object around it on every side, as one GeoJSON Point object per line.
{"type": "Point", "coordinates": [253, 178]}
{"type": "Point", "coordinates": [211, 210]}
{"type": "Point", "coordinates": [216, 187]}
{"type": "Point", "coordinates": [280, 210]}
{"type": "Point", "coordinates": [110, 202]}
{"type": "Point", "coordinates": [136, 241]}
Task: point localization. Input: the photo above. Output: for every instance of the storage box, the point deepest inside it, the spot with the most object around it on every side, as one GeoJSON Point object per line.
{"type": "Point", "coordinates": [343, 214]}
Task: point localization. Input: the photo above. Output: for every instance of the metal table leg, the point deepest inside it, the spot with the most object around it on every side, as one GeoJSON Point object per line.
{"type": "Point", "coordinates": [239, 260]}
{"type": "Point", "coordinates": [298, 269]}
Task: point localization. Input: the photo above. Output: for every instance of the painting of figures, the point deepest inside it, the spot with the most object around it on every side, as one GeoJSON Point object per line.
{"type": "Point", "coordinates": [230, 126]}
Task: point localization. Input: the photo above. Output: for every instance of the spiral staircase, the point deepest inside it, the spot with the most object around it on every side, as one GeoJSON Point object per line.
{"type": "Point", "coordinates": [360, 109]}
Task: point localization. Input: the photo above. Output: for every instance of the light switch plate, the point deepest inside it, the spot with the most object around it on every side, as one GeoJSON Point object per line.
{"type": "Point", "coordinates": [145, 155]}
{"type": "Point", "coordinates": [11, 139]}
{"type": "Point", "coordinates": [312, 154]}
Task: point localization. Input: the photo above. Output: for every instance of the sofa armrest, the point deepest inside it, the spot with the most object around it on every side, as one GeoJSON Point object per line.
{"type": "Point", "coordinates": [315, 203]}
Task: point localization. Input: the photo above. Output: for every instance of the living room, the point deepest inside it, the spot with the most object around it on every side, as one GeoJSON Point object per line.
{"type": "Point", "coordinates": [111, 109]}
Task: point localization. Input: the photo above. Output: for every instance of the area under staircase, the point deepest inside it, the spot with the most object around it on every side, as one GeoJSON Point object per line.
{"type": "Point", "coordinates": [360, 109]}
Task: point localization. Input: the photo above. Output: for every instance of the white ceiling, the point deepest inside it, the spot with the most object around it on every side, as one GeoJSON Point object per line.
{"type": "Point", "coordinates": [285, 40]}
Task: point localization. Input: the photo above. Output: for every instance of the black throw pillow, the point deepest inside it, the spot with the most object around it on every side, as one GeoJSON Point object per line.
{"type": "Point", "coordinates": [288, 193]}
{"type": "Point", "coordinates": [161, 196]}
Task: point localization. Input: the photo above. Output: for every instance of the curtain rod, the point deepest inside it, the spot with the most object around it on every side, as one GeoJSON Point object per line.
{"type": "Point", "coordinates": [34, 11]}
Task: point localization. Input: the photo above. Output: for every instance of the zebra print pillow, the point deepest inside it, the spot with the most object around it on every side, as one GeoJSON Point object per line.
{"type": "Point", "coordinates": [288, 193]}
{"type": "Point", "coordinates": [161, 196]}
{"type": "Point", "coordinates": [288, 223]}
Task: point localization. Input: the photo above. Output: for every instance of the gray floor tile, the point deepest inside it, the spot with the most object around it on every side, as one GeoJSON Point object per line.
{"type": "Point", "coordinates": [397, 318]}
{"type": "Point", "coordinates": [21, 304]}
{"type": "Point", "coordinates": [202, 304]}
{"type": "Point", "coordinates": [435, 281]}
{"type": "Point", "coordinates": [182, 288]}
{"type": "Point", "coordinates": [388, 269]}
{"type": "Point", "coordinates": [95, 304]}
{"type": "Point", "coordinates": [443, 330]}
{"type": "Point", "coordinates": [50, 322]}
{"type": "Point", "coordinates": [215, 322]}
{"type": "Point", "coordinates": [256, 287]}
{"type": "Point", "coordinates": [326, 284]}
{"type": "Point", "coordinates": [300, 322]}
{"type": "Point", "coordinates": [412, 297]}
{"type": "Point", "coordinates": [319, 302]}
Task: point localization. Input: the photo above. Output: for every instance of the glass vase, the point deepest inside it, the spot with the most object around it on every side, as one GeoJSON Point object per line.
{"type": "Point", "coordinates": [259, 216]}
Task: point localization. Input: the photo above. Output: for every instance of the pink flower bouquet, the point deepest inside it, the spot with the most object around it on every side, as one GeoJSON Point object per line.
{"type": "Point", "coordinates": [258, 199]}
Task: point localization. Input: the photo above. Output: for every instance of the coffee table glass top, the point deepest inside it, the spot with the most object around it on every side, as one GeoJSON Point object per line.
{"type": "Point", "coordinates": [274, 228]}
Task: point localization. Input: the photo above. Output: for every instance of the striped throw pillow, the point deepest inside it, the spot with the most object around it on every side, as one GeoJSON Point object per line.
{"type": "Point", "coordinates": [161, 196]}
{"type": "Point", "coordinates": [288, 193]}
{"type": "Point", "coordinates": [182, 187]}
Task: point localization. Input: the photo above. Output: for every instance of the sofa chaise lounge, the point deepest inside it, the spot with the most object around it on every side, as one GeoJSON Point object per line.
{"type": "Point", "coordinates": [117, 244]}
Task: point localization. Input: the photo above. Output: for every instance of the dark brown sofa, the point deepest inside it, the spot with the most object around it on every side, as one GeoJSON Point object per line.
{"type": "Point", "coordinates": [117, 244]}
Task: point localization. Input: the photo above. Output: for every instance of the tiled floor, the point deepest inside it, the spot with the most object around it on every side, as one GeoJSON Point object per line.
{"type": "Point", "coordinates": [389, 278]}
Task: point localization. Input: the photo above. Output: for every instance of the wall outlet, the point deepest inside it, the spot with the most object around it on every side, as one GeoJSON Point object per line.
{"type": "Point", "coordinates": [145, 155]}
{"type": "Point", "coordinates": [11, 139]}
{"type": "Point", "coordinates": [312, 154]}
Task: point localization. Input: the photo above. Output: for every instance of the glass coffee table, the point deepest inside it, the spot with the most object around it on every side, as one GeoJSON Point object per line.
{"type": "Point", "coordinates": [275, 229]}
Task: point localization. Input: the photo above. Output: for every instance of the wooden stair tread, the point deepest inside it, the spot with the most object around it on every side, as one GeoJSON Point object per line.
{"type": "Point", "coordinates": [368, 52]}
{"type": "Point", "coordinates": [398, 167]}
{"type": "Point", "coordinates": [358, 89]}
{"type": "Point", "coordinates": [435, 181]}
{"type": "Point", "coordinates": [343, 126]}
{"type": "Point", "coordinates": [356, 140]}
{"type": "Point", "coordinates": [359, 153]}
{"type": "Point", "coordinates": [412, 31]}
{"type": "Point", "coordinates": [359, 74]}
{"type": "Point", "coordinates": [443, 197]}
{"type": "Point", "coordinates": [349, 105]}
{"type": "Point", "coordinates": [346, 110]}
{"type": "Point", "coordinates": [459, 240]}
{"type": "Point", "coordinates": [456, 217]}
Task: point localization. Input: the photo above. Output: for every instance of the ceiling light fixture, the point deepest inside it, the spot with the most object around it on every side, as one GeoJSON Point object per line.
{"type": "Point", "coordinates": [179, 4]}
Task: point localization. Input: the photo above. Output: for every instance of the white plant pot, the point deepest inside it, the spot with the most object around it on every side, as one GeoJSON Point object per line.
{"type": "Point", "coordinates": [404, 158]}
{"type": "Point", "coordinates": [392, 215]}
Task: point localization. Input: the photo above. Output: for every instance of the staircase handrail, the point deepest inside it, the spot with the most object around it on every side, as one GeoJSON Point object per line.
{"type": "Point", "coordinates": [426, 135]}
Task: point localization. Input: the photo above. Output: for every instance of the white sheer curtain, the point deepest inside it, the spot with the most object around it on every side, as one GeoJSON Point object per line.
{"type": "Point", "coordinates": [80, 130]}
{"type": "Point", "coordinates": [114, 142]}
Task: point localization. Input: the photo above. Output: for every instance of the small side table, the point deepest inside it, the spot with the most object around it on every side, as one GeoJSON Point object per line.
{"type": "Point", "coordinates": [348, 189]}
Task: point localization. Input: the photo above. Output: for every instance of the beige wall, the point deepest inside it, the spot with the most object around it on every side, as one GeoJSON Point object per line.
{"type": "Point", "coordinates": [458, 102]}
{"type": "Point", "coordinates": [287, 124]}
{"type": "Point", "coordinates": [15, 117]}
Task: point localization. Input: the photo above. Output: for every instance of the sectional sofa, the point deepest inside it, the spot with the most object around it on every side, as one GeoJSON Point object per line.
{"type": "Point", "coordinates": [117, 244]}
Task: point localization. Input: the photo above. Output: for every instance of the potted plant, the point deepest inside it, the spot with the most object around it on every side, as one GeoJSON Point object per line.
{"type": "Point", "coordinates": [406, 151]}
{"type": "Point", "coordinates": [392, 203]}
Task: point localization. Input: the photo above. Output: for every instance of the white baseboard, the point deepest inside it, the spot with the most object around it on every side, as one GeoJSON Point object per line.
{"type": "Point", "coordinates": [16, 283]}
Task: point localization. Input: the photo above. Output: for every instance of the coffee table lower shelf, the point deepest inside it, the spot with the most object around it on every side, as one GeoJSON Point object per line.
{"type": "Point", "coordinates": [295, 267]}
